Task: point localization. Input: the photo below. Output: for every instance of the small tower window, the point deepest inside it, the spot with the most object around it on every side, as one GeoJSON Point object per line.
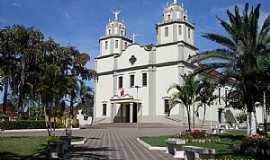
{"type": "Point", "coordinates": [180, 30]}
{"type": "Point", "coordinates": [166, 106]}
{"type": "Point", "coordinates": [169, 17]}
{"type": "Point", "coordinates": [116, 43]}
{"type": "Point", "coordinates": [106, 44]}
{"type": "Point", "coordinates": [110, 32]}
{"type": "Point", "coordinates": [126, 44]}
{"type": "Point", "coordinates": [104, 109]}
{"type": "Point", "coordinates": [120, 82]}
{"type": "Point", "coordinates": [122, 33]}
{"type": "Point", "coordinates": [132, 80]}
{"type": "Point", "coordinates": [166, 31]}
{"type": "Point", "coordinates": [144, 79]}
{"type": "Point", "coordinates": [189, 32]}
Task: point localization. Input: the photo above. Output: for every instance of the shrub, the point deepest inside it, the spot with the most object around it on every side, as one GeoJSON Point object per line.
{"type": "Point", "coordinates": [75, 123]}
{"type": "Point", "coordinates": [241, 117]}
{"type": "Point", "coordinates": [24, 124]}
{"type": "Point", "coordinates": [256, 145]}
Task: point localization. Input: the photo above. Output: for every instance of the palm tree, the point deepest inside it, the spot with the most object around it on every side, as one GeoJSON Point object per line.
{"type": "Point", "coordinates": [244, 48]}
{"type": "Point", "coordinates": [205, 94]}
{"type": "Point", "coordinates": [184, 94]}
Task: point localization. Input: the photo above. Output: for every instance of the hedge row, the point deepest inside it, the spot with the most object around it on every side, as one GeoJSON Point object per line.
{"type": "Point", "coordinates": [24, 124]}
{"type": "Point", "coordinates": [29, 124]}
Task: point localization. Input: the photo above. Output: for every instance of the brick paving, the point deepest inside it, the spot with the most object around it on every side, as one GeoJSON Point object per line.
{"type": "Point", "coordinates": [114, 143]}
{"type": "Point", "coordinates": [120, 144]}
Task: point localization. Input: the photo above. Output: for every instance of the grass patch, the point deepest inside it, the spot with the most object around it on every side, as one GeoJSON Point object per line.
{"type": "Point", "coordinates": [23, 146]}
{"type": "Point", "coordinates": [224, 148]}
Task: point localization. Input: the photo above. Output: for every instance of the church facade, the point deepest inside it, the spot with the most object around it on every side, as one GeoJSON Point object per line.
{"type": "Point", "coordinates": [133, 79]}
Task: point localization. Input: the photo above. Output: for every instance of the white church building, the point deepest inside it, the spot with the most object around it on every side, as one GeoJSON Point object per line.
{"type": "Point", "coordinates": [133, 79]}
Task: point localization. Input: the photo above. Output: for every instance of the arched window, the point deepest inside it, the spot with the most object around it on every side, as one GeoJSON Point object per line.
{"type": "Point", "coordinates": [169, 17]}
{"type": "Point", "coordinates": [106, 44]}
{"type": "Point", "coordinates": [166, 31]}
{"type": "Point", "coordinates": [179, 29]}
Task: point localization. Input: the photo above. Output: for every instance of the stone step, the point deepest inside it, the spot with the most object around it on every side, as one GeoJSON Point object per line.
{"type": "Point", "coordinates": [132, 125]}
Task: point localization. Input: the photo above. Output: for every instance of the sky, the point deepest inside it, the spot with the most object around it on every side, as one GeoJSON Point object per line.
{"type": "Point", "coordinates": [81, 23]}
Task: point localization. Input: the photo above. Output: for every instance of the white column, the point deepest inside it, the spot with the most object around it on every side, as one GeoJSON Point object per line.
{"type": "Point", "coordinates": [112, 112]}
{"type": "Point", "coordinates": [131, 113]}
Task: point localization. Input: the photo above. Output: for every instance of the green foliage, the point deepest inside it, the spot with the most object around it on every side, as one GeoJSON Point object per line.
{"type": "Point", "coordinates": [185, 94]}
{"type": "Point", "coordinates": [40, 70]}
{"type": "Point", "coordinates": [31, 124]}
{"type": "Point", "coordinates": [244, 55]}
{"type": "Point", "coordinates": [23, 124]}
{"type": "Point", "coordinates": [241, 117]}
{"type": "Point", "coordinates": [256, 145]}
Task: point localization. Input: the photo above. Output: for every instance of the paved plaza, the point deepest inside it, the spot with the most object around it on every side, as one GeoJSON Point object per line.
{"type": "Point", "coordinates": [114, 143]}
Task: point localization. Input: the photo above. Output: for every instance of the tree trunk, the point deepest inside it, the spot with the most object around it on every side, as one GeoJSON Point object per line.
{"type": "Point", "coordinates": [204, 113]}
{"type": "Point", "coordinates": [188, 116]}
{"type": "Point", "coordinates": [46, 120]}
{"type": "Point", "coordinates": [5, 94]}
{"type": "Point", "coordinates": [251, 123]}
{"type": "Point", "coordinates": [22, 78]}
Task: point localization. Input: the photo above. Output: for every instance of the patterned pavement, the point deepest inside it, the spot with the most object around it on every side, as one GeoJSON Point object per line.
{"type": "Point", "coordinates": [113, 143]}
{"type": "Point", "coordinates": [120, 144]}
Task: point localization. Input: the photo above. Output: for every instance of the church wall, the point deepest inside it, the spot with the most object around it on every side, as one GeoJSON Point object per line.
{"type": "Point", "coordinates": [166, 77]}
{"type": "Point", "coordinates": [167, 54]}
{"type": "Point", "coordinates": [141, 55]}
{"type": "Point", "coordinates": [166, 39]}
{"type": "Point", "coordinates": [104, 91]}
{"type": "Point", "coordinates": [105, 64]}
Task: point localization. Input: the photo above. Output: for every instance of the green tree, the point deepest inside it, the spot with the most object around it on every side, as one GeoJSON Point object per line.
{"type": "Point", "coordinates": [242, 55]}
{"type": "Point", "coordinates": [184, 94]}
{"type": "Point", "coordinates": [205, 94]}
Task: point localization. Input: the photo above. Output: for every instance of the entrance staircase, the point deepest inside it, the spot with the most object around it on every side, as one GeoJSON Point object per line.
{"type": "Point", "coordinates": [132, 125]}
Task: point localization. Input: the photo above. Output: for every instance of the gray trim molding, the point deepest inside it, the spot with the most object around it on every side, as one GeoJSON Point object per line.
{"type": "Point", "coordinates": [177, 22]}
{"type": "Point", "coordinates": [108, 37]}
{"type": "Point", "coordinates": [172, 43]}
{"type": "Point", "coordinates": [105, 56]}
{"type": "Point", "coordinates": [148, 65]}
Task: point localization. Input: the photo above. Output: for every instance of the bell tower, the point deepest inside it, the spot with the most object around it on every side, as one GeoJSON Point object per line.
{"type": "Point", "coordinates": [115, 39]}
{"type": "Point", "coordinates": [175, 26]}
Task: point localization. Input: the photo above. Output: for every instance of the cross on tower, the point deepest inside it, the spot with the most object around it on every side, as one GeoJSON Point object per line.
{"type": "Point", "coordinates": [134, 37]}
{"type": "Point", "coordinates": [116, 13]}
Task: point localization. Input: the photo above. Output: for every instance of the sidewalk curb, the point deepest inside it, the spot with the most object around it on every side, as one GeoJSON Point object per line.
{"type": "Point", "coordinates": [34, 130]}
{"type": "Point", "coordinates": [79, 142]}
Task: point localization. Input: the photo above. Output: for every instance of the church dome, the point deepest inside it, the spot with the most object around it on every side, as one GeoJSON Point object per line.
{"type": "Point", "coordinates": [116, 27]}
{"type": "Point", "coordinates": [174, 12]}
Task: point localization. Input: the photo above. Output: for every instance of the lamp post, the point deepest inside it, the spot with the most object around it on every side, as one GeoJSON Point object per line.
{"type": "Point", "coordinates": [137, 88]}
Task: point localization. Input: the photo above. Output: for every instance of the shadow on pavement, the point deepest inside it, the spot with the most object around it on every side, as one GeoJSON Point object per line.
{"type": "Point", "coordinates": [83, 152]}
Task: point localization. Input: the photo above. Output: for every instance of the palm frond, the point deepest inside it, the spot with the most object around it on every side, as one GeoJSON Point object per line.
{"type": "Point", "coordinates": [218, 53]}
{"type": "Point", "coordinates": [222, 40]}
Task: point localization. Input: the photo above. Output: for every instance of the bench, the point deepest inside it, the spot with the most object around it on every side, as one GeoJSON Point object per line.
{"type": "Point", "coordinates": [193, 152]}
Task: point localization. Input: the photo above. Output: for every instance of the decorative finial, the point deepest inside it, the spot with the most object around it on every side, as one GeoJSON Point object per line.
{"type": "Point", "coordinates": [174, 1]}
{"type": "Point", "coordinates": [116, 13]}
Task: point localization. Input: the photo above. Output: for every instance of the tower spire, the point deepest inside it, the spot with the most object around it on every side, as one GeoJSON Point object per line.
{"type": "Point", "coordinates": [174, 1]}
{"type": "Point", "coordinates": [116, 13]}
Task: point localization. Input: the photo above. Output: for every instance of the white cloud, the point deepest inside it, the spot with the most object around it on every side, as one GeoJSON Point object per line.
{"type": "Point", "coordinates": [15, 4]}
{"type": "Point", "coordinates": [67, 15]}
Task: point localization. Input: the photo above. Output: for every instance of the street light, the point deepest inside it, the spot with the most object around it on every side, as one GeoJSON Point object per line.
{"type": "Point", "coordinates": [137, 87]}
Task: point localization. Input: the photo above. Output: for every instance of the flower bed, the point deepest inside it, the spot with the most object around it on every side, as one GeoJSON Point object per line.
{"type": "Point", "coordinates": [256, 145]}
{"type": "Point", "coordinates": [197, 136]}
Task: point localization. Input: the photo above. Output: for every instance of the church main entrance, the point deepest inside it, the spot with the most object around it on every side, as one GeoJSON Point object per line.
{"type": "Point", "coordinates": [127, 113]}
